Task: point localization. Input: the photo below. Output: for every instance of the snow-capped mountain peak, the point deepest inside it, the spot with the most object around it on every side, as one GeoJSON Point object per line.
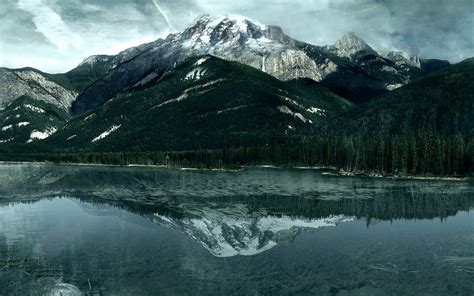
{"type": "Point", "coordinates": [223, 29]}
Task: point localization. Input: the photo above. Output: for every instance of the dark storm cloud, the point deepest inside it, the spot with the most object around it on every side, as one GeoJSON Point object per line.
{"type": "Point", "coordinates": [54, 35]}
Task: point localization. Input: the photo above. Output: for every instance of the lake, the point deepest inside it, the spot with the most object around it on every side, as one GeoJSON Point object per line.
{"type": "Point", "coordinates": [78, 230]}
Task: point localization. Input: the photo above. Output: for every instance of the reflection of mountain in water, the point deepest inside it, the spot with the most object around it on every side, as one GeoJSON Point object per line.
{"type": "Point", "coordinates": [226, 236]}
{"type": "Point", "coordinates": [237, 213]}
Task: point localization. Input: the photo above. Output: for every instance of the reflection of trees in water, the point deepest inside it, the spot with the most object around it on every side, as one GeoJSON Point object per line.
{"type": "Point", "coordinates": [183, 194]}
{"type": "Point", "coordinates": [385, 206]}
{"type": "Point", "coordinates": [389, 205]}
{"type": "Point", "coordinates": [170, 193]}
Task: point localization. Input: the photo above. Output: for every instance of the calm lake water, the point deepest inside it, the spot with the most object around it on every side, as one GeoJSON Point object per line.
{"type": "Point", "coordinates": [139, 231]}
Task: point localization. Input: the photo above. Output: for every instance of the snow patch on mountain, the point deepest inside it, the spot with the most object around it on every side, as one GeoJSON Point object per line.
{"type": "Point", "coordinates": [201, 61]}
{"type": "Point", "coordinates": [195, 74]}
{"type": "Point", "coordinates": [284, 109]}
{"type": "Point", "coordinates": [293, 102]}
{"type": "Point", "coordinates": [231, 109]}
{"type": "Point", "coordinates": [90, 116]}
{"type": "Point", "coordinates": [186, 92]}
{"type": "Point", "coordinates": [112, 129]}
{"type": "Point", "coordinates": [394, 86]}
{"type": "Point", "coordinates": [34, 108]}
{"type": "Point", "coordinates": [6, 128]}
{"type": "Point", "coordinates": [41, 135]}
{"type": "Point", "coordinates": [316, 110]}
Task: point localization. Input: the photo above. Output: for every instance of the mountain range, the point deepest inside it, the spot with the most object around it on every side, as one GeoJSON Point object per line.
{"type": "Point", "coordinates": [227, 81]}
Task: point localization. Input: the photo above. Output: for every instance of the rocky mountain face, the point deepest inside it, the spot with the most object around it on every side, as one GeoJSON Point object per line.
{"type": "Point", "coordinates": [352, 47]}
{"type": "Point", "coordinates": [351, 68]}
{"type": "Point", "coordinates": [38, 85]}
{"type": "Point", "coordinates": [34, 105]}
{"type": "Point", "coordinates": [391, 70]}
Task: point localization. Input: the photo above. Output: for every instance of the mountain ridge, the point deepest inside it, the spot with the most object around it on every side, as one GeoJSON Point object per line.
{"type": "Point", "coordinates": [263, 47]}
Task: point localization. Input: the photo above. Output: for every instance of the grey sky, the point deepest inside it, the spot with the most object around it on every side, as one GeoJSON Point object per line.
{"type": "Point", "coordinates": [55, 35]}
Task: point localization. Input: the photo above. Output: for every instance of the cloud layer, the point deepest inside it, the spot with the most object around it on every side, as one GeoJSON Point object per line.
{"type": "Point", "coordinates": [55, 35]}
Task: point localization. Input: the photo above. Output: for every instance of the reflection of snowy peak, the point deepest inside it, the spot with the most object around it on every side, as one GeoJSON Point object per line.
{"type": "Point", "coordinates": [227, 236]}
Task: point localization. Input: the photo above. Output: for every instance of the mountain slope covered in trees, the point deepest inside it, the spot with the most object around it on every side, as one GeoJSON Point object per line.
{"type": "Point", "coordinates": [207, 103]}
{"type": "Point", "coordinates": [27, 120]}
{"type": "Point", "coordinates": [426, 127]}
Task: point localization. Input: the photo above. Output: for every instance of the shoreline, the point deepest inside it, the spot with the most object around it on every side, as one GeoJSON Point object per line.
{"type": "Point", "coordinates": [334, 170]}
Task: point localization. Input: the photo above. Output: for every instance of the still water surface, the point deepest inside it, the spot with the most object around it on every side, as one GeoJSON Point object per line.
{"type": "Point", "coordinates": [137, 231]}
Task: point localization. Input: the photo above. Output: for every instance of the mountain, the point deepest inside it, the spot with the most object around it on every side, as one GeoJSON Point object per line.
{"type": "Point", "coordinates": [386, 72]}
{"type": "Point", "coordinates": [205, 102]}
{"type": "Point", "coordinates": [44, 87]}
{"type": "Point", "coordinates": [267, 48]}
{"type": "Point", "coordinates": [432, 65]}
{"type": "Point", "coordinates": [352, 47]}
{"type": "Point", "coordinates": [26, 120]}
{"type": "Point", "coordinates": [423, 128]}
{"type": "Point", "coordinates": [33, 105]}
{"type": "Point", "coordinates": [95, 67]}
{"type": "Point", "coordinates": [441, 101]}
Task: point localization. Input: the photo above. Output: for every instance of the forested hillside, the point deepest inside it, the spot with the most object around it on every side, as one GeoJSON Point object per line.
{"type": "Point", "coordinates": [426, 127]}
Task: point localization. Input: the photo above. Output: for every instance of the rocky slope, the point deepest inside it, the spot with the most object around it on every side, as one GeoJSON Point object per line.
{"type": "Point", "coordinates": [41, 86]}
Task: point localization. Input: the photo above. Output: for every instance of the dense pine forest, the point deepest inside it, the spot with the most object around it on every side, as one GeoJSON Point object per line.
{"type": "Point", "coordinates": [422, 153]}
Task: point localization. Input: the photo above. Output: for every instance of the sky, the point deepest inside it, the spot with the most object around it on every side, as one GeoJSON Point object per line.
{"type": "Point", "coordinates": [56, 35]}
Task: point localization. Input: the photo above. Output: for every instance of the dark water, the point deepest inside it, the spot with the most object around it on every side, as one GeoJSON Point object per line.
{"type": "Point", "coordinates": [136, 231]}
